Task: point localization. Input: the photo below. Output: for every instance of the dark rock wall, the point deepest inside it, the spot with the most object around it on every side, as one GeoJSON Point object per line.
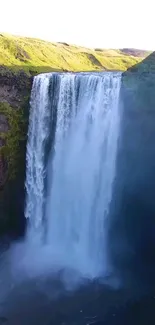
{"type": "Point", "coordinates": [132, 235]}
{"type": "Point", "coordinates": [14, 110]}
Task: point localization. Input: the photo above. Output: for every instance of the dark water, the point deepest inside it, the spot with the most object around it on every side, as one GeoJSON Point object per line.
{"type": "Point", "coordinates": [45, 300]}
{"type": "Point", "coordinates": [93, 305]}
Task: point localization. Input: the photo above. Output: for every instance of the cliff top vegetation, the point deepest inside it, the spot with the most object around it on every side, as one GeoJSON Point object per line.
{"type": "Point", "coordinates": [35, 56]}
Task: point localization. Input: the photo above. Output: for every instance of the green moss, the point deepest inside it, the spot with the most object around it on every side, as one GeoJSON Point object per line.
{"type": "Point", "coordinates": [13, 137]}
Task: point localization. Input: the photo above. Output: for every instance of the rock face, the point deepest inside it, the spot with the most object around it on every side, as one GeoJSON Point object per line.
{"type": "Point", "coordinates": [14, 106]}
{"type": "Point", "coordinates": [3, 171]}
{"type": "Point", "coordinates": [134, 204]}
{"type": "Point", "coordinates": [3, 123]}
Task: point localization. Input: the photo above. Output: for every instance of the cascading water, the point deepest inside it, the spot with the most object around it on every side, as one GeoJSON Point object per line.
{"type": "Point", "coordinates": [71, 158]}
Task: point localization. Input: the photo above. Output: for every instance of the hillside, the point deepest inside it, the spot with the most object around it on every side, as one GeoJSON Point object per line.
{"type": "Point", "coordinates": [34, 56]}
{"type": "Point", "coordinates": [145, 66]}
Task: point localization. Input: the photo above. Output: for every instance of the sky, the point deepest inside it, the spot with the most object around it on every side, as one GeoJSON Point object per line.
{"type": "Point", "coordinates": [90, 23]}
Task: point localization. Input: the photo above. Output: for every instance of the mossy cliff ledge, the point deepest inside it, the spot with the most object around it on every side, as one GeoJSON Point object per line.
{"type": "Point", "coordinates": [14, 110]}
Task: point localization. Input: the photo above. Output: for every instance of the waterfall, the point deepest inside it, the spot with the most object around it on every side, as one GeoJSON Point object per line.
{"type": "Point", "coordinates": [71, 159]}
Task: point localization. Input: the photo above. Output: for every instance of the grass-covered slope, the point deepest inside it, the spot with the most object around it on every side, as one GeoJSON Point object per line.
{"type": "Point", "coordinates": [34, 56]}
{"type": "Point", "coordinates": [146, 66]}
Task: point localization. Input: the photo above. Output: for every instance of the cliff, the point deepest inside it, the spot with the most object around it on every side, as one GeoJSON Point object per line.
{"type": "Point", "coordinates": [21, 59]}
{"type": "Point", "coordinates": [14, 101]}
{"type": "Point", "coordinates": [134, 202]}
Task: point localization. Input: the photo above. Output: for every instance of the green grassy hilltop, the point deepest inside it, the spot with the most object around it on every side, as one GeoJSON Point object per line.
{"type": "Point", "coordinates": [35, 56]}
